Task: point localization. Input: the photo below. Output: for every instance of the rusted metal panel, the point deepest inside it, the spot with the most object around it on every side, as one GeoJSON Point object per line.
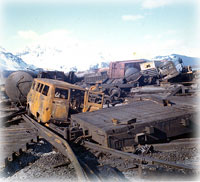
{"type": "Point", "coordinates": [152, 122]}
{"type": "Point", "coordinates": [95, 79]}
{"type": "Point", "coordinates": [117, 69]}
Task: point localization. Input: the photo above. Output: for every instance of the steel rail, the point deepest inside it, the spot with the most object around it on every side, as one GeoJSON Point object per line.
{"type": "Point", "coordinates": [134, 156]}
{"type": "Point", "coordinates": [92, 175]}
{"type": "Point", "coordinates": [172, 146]}
{"type": "Point", "coordinates": [59, 143]}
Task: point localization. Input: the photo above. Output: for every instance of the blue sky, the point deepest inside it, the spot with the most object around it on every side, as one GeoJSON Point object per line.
{"type": "Point", "coordinates": [123, 29]}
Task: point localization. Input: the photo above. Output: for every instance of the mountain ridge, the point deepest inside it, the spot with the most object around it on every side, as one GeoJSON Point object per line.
{"type": "Point", "coordinates": [47, 58]}
{"type": "Point", "coordinates": [9, 61]}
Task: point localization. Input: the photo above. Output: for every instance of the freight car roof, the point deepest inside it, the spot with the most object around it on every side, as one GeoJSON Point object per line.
{"type": "Point", "coordinates": [145, 112]}
{"type": "Point", "coordinates": [59, 83]}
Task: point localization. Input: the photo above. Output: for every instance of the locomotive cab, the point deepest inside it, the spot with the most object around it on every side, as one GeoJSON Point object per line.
{"type": "Point", "coordinates": [56, 100]}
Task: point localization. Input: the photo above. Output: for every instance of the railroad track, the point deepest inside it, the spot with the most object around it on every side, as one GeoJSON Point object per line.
{"type": "Point", "coordinates": [15, 140]}
{"type": "Point", "coordinates": [185, 143]}
{"type": "Point", "coordinates": [16, 134]}
{"type": "Point", "coordinates": [139, 159]}
{"type": "Point", "coordinates": [93, 152]}
{"type": "Point", "coordinates": [91, 161]}
{"type": "Point", "coordinates": [63, 146]}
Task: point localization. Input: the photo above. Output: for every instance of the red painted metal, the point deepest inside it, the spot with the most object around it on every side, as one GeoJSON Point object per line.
{"type": "Point", "coordinates": [117, 69]}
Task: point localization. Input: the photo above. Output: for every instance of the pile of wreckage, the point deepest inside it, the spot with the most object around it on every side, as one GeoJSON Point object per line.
{"type": "Point", "coordinates": [136, 77]}
{"type": "Point", "coordinates": [120, 80]}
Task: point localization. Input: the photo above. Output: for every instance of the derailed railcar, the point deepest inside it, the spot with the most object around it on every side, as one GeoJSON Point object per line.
{"type": "Point", "coordinates": [140, 122]}
{"type": "Point", "coordinates": [54, 101]}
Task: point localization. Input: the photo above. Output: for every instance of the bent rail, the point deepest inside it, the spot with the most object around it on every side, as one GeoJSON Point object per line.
{"type": "Point", "coordinates": [136, 157]}
{"type": "Point", "coordinates": [58, 143]}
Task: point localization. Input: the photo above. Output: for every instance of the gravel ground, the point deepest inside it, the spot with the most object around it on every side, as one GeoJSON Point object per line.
{"type": "Point", "coordinates": [187, 156]}
{"type": "Point", "coordinates": [40, 163]}
{"type": "Point", "coordinates": [43, 163]}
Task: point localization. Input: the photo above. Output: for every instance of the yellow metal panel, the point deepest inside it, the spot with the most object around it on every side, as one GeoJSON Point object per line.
{"type": "Point", "coordinates": [48, 107]}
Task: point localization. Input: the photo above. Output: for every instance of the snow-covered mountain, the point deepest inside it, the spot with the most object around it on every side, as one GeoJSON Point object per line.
{"type": "Point", "coordinates": [187, 61]}
{"type": "Point", "coordinates": [67, 59]}
{"type": "Point", "coordinates": [63, 59]}
{"type": "Point", "coordinates": [9, 61]}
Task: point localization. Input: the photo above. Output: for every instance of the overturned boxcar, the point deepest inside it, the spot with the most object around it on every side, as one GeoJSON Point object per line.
{"type": "Point", "coordinates": [140, 122]}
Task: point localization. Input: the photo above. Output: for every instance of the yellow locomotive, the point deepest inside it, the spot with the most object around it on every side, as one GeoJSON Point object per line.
{"type": "Point", "coordinates": [56, 100]}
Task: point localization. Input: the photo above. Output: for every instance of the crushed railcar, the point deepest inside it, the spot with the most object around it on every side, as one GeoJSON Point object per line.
{"type": "Point", "coordinates": [117, 80]}
{"type": "Point", "coordinates": [139, 122]}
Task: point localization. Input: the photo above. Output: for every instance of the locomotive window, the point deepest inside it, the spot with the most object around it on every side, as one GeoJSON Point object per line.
{"type": "Point", "coordinates": [61, 93]}
{"type": "Point", "coordinates": [33, 85]}
{"type": "Point", "coordinates": [41, 88]}
{"type": "Point", "coordinates": [77, 99]}
{"type": "Point", "coordinates": [38, 86]}
{"type": "Point", "coordinates": [45, 90]}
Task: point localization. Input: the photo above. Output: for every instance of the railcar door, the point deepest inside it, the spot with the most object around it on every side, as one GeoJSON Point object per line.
{"type": "Point", "coordinates": [35, 100]}
{"type": "Point", "coordinates": [60, 104]}
{"type": "Point", "coordinates": [46, 103]}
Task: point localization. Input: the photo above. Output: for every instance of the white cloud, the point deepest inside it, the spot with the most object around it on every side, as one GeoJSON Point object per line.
{"type": "Point", "coordinates": [157, 47]}
{"type": "Point", "coordinates": [161, 35]}
{"type": "Point", "coordinates": [172, 43]}
{"type": "Point", "coordinates": [166, 33]}
{"type": "Point", "coordinates": [150, 4]}
{"type": "Point", "coordinates": [148, 37]}
{"type": "Point", "coordinates": [58, 38]}
{"type": "Point", "coordinates": [53, 35]}
{"type": "Point", "coordinates": [74, 52]}
{"type": "Point", "coordinates": [74, 1]}
{"type": "Point", "coordinates": [31, 35]}
{"type": "Point", "coordinates": [132, 17]}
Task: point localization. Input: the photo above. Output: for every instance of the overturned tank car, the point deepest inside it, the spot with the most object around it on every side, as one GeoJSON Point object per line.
{"type": "Point", "coordinates": [18, 84]}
